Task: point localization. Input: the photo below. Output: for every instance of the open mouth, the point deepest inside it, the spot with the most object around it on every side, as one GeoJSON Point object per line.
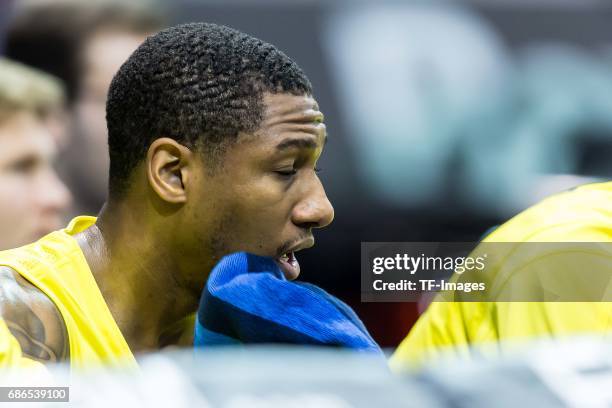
{"type": "Point", "coordinates": [289, 264]}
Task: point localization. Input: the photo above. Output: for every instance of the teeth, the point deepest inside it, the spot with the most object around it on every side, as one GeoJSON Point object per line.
{"type": "Point", "coordinates": [284, 257]}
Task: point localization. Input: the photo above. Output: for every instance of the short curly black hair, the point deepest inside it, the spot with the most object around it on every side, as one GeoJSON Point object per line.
{"type": "Point", "coordinates": [199, 84]}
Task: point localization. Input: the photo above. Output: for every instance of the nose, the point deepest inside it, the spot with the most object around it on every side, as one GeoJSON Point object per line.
{"type": "Point", "coordinates": [315, 210]}
{"type": "Point", "coordinates": [54, 197]}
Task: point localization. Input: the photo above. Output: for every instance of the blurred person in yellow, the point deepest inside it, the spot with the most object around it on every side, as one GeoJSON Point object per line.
{"type": "Point", "coordinates": [83, 43]}
{"type": "Point", "coordinates": [214, 137]}
{"type": "Point", "coordinates": [32, 198]}
{"type": "Point", "coordinates": [570, 267]}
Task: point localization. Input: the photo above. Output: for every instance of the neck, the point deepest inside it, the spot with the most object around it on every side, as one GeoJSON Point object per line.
{"type": "Point", "coordinates": [147, 290]}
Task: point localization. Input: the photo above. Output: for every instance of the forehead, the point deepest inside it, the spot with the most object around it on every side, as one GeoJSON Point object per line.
{"type": "Point", "coordinates": [285, 107]}
{"type": "Point", "coordinates": [289, 121]}
{"type": "Point", "coordinates": [285, 115]}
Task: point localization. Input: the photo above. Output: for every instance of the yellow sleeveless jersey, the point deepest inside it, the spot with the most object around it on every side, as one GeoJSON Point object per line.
{"type": "Point", "coordinates": [451, 328]}
{"type": "Point", "coordinates": [56, 265]}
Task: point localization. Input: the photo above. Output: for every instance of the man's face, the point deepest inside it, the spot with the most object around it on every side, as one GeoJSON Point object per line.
{"type": "Point", "coordinates": [32, 198]}
{"type": "Point", "coordinates": [266, 197]}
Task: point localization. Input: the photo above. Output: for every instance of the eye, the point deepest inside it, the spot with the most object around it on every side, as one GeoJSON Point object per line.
{"type": "Point", "coordinates": [25, 165]}
{"type": "Point", "coordinates": [286, 173]}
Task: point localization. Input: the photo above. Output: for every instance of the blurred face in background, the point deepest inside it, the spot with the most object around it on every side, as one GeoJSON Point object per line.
{"type": "Point", "coordinates": [32, 198]}
{"type": "Point", "coordinates": [102, 55]}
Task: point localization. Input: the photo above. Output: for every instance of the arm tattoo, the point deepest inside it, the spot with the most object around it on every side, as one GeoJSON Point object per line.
{"type": "Point", "coordinates": [32, 318]}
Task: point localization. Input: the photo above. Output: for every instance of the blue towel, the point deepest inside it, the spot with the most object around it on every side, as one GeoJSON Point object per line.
{"type": "Point", "coordinates": [248, 300]}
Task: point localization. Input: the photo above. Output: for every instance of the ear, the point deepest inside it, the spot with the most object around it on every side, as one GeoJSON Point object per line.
{"type": "Point", "coordinates": [169, 166]}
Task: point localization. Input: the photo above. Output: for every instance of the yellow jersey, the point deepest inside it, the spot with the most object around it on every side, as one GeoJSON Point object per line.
{"type": "Point", "coordinates": [56, 265]}
{"type": "Point", "coordinates": [451, 328]}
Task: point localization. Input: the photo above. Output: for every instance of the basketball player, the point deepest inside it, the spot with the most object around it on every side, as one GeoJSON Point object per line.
{"type": "Point", "coordinates": [568, 267]}
{"type": "Point", "coordinates": [214, 138]}
{"type": "Point", "coordinates": [32, 198]}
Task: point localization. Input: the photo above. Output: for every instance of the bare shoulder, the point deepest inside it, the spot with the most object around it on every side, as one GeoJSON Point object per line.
{"type": "Point", "coordinates": [32, 318]}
